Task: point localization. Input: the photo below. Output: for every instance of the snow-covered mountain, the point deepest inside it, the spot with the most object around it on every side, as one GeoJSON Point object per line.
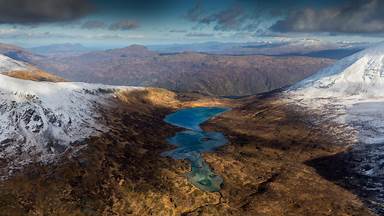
{"type": "Point", "coordinates": [39, 120]}
{"type": "Point", "coordinates": [351, 94]}
{"type": "Point", "coordinates": [358, 76]}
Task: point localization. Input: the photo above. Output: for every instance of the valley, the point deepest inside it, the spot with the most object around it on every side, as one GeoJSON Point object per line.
{"type": "Point", "coordinates": [122, 172]}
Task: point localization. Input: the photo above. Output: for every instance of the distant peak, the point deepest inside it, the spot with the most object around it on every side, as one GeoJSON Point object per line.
{"type": "Point", "coordinates": [134, 51]}
{"type": "Point", "coordinates": [136, 47]}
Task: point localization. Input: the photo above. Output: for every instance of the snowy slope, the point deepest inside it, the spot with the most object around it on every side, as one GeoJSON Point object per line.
{"type": "Point", "coordinates": [7, 64]}
{"type": "Point", "coordinates": [347, 91]}
{"type": "Point", "coordinates": [40, 120]}
{"type": "Point", "coordinates": [358, 76]}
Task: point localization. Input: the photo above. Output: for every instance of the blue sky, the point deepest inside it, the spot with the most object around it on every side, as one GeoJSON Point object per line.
{"type": "Point", "coordinates": [117, 23]}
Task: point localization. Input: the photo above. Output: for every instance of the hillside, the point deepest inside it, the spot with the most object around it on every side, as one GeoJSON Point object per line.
{"type": "Point", "coordinates": [222, 75]}
{"type": "Point", "coordinates": [351, 93]}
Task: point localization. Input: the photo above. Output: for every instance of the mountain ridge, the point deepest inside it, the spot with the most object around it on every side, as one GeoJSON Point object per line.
{"type": "Point", "coordinates": [55, 50]}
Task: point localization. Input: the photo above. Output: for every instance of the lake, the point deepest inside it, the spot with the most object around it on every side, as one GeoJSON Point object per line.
{"type": "Point", "coordinates": [194, 141]}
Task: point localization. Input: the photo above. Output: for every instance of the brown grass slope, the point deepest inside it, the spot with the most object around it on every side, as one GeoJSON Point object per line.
{"type": "Point", "coordinates": [35, 75]}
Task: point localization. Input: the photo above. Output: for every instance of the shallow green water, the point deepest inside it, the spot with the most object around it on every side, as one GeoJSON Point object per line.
{"type": "Point", "coordinates": [194, 141]}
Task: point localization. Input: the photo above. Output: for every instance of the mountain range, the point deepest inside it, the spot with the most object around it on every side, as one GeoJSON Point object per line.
{"type": "Point", "coordinates": [60, 50]}
{"type": "Point", "coordinates": [302, 47]}
{"type": "Point", "coordinates": [222, 75]}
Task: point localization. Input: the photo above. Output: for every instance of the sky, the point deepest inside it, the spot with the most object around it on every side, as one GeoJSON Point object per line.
{"type": "Point", "coordinates": [117, 23]}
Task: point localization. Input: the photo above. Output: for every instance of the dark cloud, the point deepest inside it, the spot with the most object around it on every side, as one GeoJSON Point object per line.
{"type": "Point", "coordinates": [359, 16]}
{"type": "Point", "coordinates": [93, 24]}
{"type": "Point", "coordinates": [37, 11]}
{"type": "Point", "coordinates": [237, 17]}
{"type": "Point", "coordinates": [196, 13]}
{"type": "Point", "coordinates": [229, 19]}
{"type": "Point", "coordinates": [124, 25]}
{"type": "Point", "coordinates": [356, 16]}
{"type": "Point", "coordinates": [137, 7]}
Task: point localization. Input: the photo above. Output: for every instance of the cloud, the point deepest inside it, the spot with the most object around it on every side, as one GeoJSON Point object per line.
{"type": "Point", "coordinates": [356, 16]}
{"type": "Point", "coordinates": [38, 11]}
{"type": "Point", "coordinates": [93, 24]}
{"type": "Point", "coordinates": [124, 25]}
{"type": "Point", "coordinates": [11, 34]}
{"type": "Point", "coordinates": [178, 31]}
{"type": "Point", "coordinates": [121, 25]}
{"type": "Point", "coordinates": [198, 34]}
{"type": "Point", "coordinates": [25, 35]}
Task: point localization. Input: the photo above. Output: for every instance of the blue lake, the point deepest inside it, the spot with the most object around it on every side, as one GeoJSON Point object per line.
{"type": "Point", "coordinates": [194, 141]}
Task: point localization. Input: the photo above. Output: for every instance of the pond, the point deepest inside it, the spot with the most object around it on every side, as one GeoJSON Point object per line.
{"type": "Point", "coordinates": [194, 141]}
